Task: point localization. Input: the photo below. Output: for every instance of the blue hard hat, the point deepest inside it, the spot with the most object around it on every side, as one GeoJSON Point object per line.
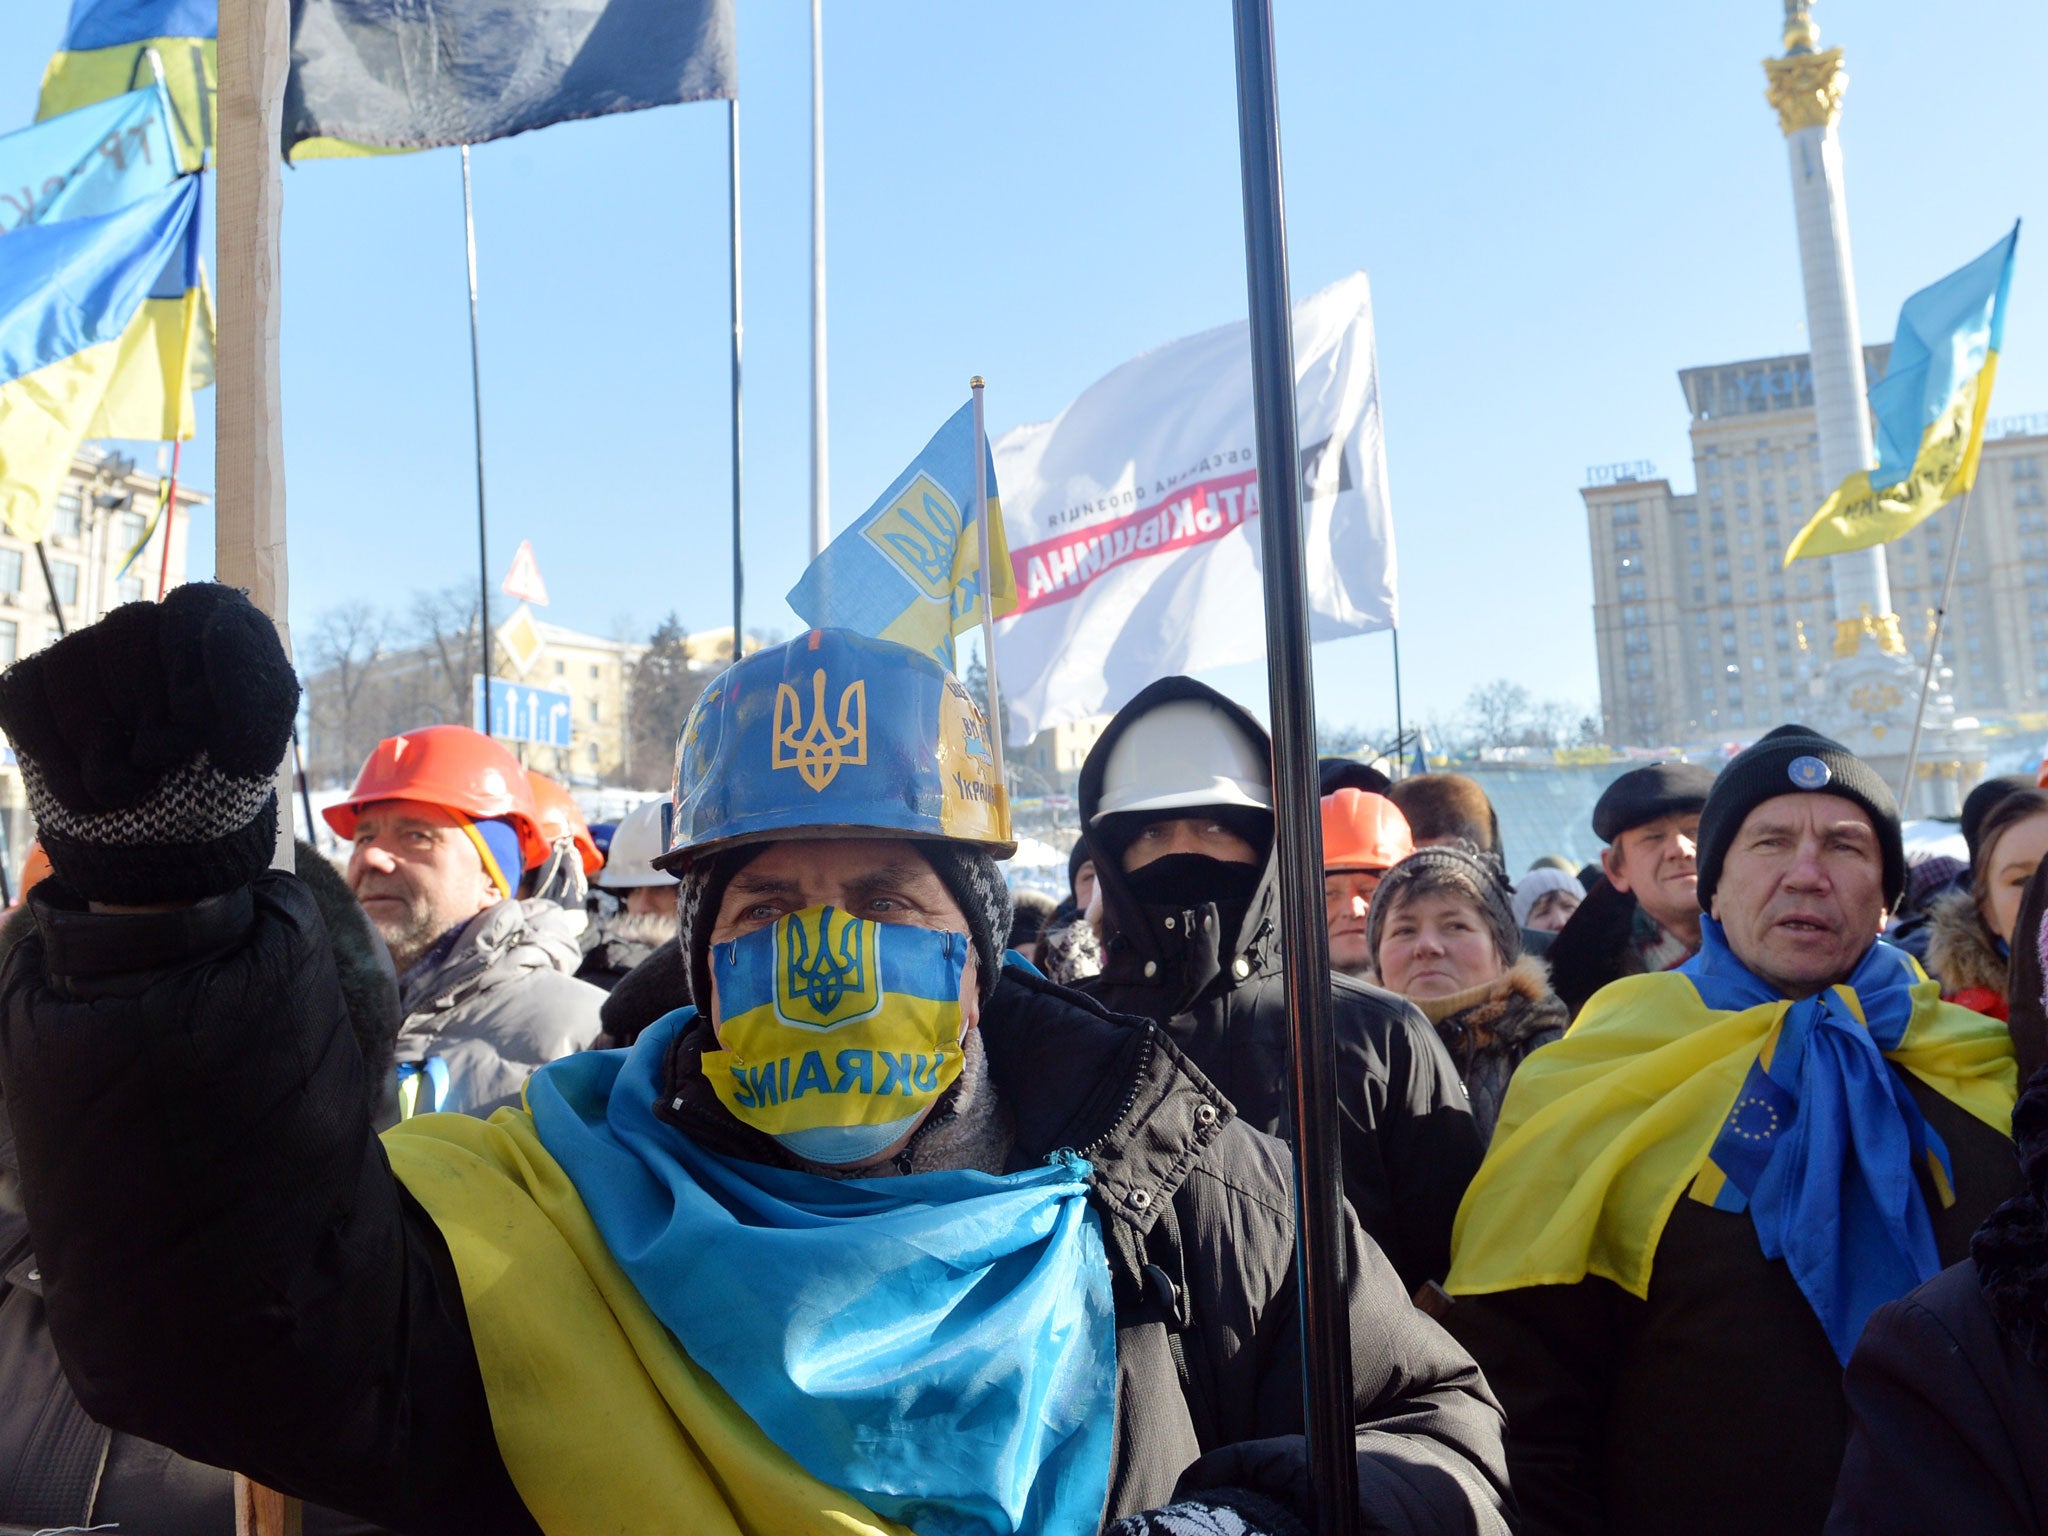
{"type": "Point", "coordinates": [834, 734]}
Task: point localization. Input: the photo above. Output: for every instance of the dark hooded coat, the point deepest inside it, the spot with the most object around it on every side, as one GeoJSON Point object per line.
{"type": "Point", "coordinates": [1410, 1144]}
{"type": "Point", "coordinates": [1595, 946]}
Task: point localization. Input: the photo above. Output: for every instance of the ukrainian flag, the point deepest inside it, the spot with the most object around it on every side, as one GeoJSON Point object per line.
{"type": "Point", "coordinates": [69, 294]}
{"type": "Point", "coordinates": [94, 160]}
{"type": "Point", "coordinates": [165, 354]}
{"type": "Point", "coordinates": [105, 53]}
{"type": "Point", "coordinates": [1930, 408]}
{"type": "Point", "coordinates": [909, 569]}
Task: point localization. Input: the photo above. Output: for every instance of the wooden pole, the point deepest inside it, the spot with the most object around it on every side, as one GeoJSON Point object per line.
{"type": "Point", "coordinates": [248, 547]}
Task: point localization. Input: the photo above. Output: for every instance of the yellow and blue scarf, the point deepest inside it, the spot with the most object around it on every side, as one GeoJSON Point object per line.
{"type": "Point", "coordinates": [795, 1353]}
{"type": "Point", "coordinates": [1706, 1077]}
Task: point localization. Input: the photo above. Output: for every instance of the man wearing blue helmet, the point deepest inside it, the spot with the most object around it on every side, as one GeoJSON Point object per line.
{"type": "Point", "coordinates": [890, 1237]}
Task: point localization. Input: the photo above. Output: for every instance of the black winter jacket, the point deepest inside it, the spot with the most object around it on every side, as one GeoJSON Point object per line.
{"type": "Point", "coordinates": [1594, 947]}
{"type": "Point", "coordinates": [1951, 1421]}
{"type": "Point", "coordinates": [235, 1271]}
{"type": "Point", "coordinates": [1410, 1144]}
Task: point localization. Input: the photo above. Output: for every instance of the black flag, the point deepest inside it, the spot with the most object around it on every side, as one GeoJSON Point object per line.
{"type": "Point", "coordinates": [408, 74]}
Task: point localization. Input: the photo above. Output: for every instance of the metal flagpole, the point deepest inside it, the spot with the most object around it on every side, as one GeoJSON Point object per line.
{"type": "Point", "coordinates": [1948, 583]}
{"type": "Point", "coordinates": [988, 599]}
{"type": "Point", "coordinates": [306, 788]}
{"type": "Point", "coordinates": [476, 395]}
{"type": "Point", "coordinates": [50, 586]}
{"type": "Point", "coordinates": [1400, 733]}
{"type": "Point", "coordinates": [821, 507]}
{"type": "Point", "coordinates": [1297, 829]}
{"type": "Point", "coordinates": [739, 584]}
{"type": "Point", "coordinates": [163, 572]}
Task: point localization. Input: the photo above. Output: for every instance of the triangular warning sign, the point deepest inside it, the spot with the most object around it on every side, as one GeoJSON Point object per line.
{"type": "Point", "coordinates": [524, 581]}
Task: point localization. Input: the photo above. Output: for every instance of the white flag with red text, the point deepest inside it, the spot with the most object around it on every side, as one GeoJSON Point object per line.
{"type": "Point", "coordinates": [1133, 515]}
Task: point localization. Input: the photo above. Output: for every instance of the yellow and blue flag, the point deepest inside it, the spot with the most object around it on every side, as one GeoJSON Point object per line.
{"type": "Point", "coordinates": [105, 52]}
{"type": "Point", "coordinates": [69, 294]}
{"type": "Point", "coordinates": [909, 569]}
{"type": "Point", "coordinates": [99, 159]}
{"type": "Point", "coordinates": [165, 354]}
{"type": "Point", "coordinates": [94, 160]}
{"type": "Point", "coordinates": [1930, 408]}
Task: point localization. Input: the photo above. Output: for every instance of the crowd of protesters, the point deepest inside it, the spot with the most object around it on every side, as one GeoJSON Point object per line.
{"type": "Point", "coordinates": [1678, 1200]}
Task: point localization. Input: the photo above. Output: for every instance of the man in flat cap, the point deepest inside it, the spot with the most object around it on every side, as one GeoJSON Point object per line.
{"type": "Point", "coordinates": [1695, 1199]}
{"type": "Point", "coordinates": [1644, 916]}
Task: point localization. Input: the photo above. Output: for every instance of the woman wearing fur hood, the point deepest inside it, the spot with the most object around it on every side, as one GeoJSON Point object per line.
{"type": "Point", "coordinates": [1443, 934]}
{"type": "Point", "coordinates": [1969, 930]}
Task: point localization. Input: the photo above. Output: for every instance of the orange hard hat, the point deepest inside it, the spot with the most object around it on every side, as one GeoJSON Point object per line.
{"type": "Point", "coordinates": [560, 816]}
{"type": "Point", "coordinates": [34, 870]}
{"type": "Point", "coordinates": [451, 766]}
{"type": "Point", "coordinates": [1362, 830]}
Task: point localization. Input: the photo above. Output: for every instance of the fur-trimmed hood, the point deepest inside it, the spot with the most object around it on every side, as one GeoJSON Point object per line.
{"type": "Point", "coordinates": [1960, 950]}
{"type": "Point", "coordinates": [1489, 1030]}
{"type": "Point", "coordinates": [1506, 1011]}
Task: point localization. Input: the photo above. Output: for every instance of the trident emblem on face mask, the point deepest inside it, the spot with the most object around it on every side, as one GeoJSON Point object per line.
{"type": "Point", "coordinates": [815, 750]}
{"type": "Point", "coordinates": [821, 979]}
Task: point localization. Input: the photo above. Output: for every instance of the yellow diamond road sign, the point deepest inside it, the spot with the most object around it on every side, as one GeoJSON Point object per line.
{"type": "Point", "coordinates": [519, 640]}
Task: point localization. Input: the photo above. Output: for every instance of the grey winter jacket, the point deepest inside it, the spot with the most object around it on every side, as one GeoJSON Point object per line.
{"type": "Point", "coordinates": [497, 1001]}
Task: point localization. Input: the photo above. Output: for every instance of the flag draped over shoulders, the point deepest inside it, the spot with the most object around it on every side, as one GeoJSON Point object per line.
{"type": "Point", "coordinates": [603, 1423]}
{"type": "Point", "coordinates": [671, 1339]}
{"type": "Point", "coordinates": [1692, 1079]}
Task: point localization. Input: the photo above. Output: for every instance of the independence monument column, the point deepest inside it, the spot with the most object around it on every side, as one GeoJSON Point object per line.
{"type": "Point", "coordinates": [1806, 87]}
{"type": "Point", "coordinates": [1866, 696]}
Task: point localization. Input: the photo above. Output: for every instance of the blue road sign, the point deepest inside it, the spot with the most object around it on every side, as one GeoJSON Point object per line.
{"type": "Point", "coordinates": [520, 713]}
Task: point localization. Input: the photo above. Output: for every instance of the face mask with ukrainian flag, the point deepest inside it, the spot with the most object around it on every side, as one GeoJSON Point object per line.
{"type": "Point", "coordinates": [837, 1033]}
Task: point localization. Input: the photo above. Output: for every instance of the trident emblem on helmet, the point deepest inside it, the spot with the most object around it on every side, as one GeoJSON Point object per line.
{"type": "Point", "coordinates": [820, 979]}
{"type": "Point", "coordinates": [815, 750]}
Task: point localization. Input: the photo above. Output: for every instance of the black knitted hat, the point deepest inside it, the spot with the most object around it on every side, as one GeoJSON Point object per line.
{"type": "Point", "coordinates": [1078, 855]}
{"type": "Point", "coordinates": [1984, 799]}
{"type": "Point", "coordinates": [1456, 867]}
{"type": "Point", "coordinates": [1794, 759]}
{"type": "Point", "coordinates": [1643, 794]}
{"type": "Point", "coordinates": [968, 871]}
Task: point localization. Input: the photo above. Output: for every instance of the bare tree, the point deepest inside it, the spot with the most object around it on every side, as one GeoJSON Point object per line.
{"type": "Point", "coordinates": [343, 652]}
{"type": "Point", "coordinates": [1499, 712]}
{"type": "Point", "coordinates": [444, 626]}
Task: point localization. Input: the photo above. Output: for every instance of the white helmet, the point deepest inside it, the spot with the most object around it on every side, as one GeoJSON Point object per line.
{"type": "Point", "coordinates": [635, 846]}
{"type": "Point", "coordinates": [1184, 753]}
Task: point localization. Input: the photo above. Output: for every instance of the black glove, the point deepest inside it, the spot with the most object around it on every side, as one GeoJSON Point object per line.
{"type": "Point", "coordinates": [1277, 1468]}
{"type": "Point", "coordinates": [1218, 1512]}
{"type": "Point", "coordinates": [149, 743]}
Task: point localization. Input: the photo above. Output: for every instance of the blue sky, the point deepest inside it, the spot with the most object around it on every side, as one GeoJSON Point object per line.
{"type": "Point", "coordinates": [1559, 205]}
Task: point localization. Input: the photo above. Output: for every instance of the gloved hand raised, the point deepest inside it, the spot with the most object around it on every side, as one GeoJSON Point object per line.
{"type": "Point", "coordinates": [149, 743]}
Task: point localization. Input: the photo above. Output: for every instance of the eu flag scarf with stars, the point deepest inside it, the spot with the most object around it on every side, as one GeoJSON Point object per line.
{"type": "Point", "coordinates": [1705, 1077]}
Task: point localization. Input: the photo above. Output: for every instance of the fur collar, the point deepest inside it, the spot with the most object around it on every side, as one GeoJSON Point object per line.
{"type": "Point", "coordinates": [1505, 1011]}
{"type": "Point", "coordinates": [1960, 950]}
